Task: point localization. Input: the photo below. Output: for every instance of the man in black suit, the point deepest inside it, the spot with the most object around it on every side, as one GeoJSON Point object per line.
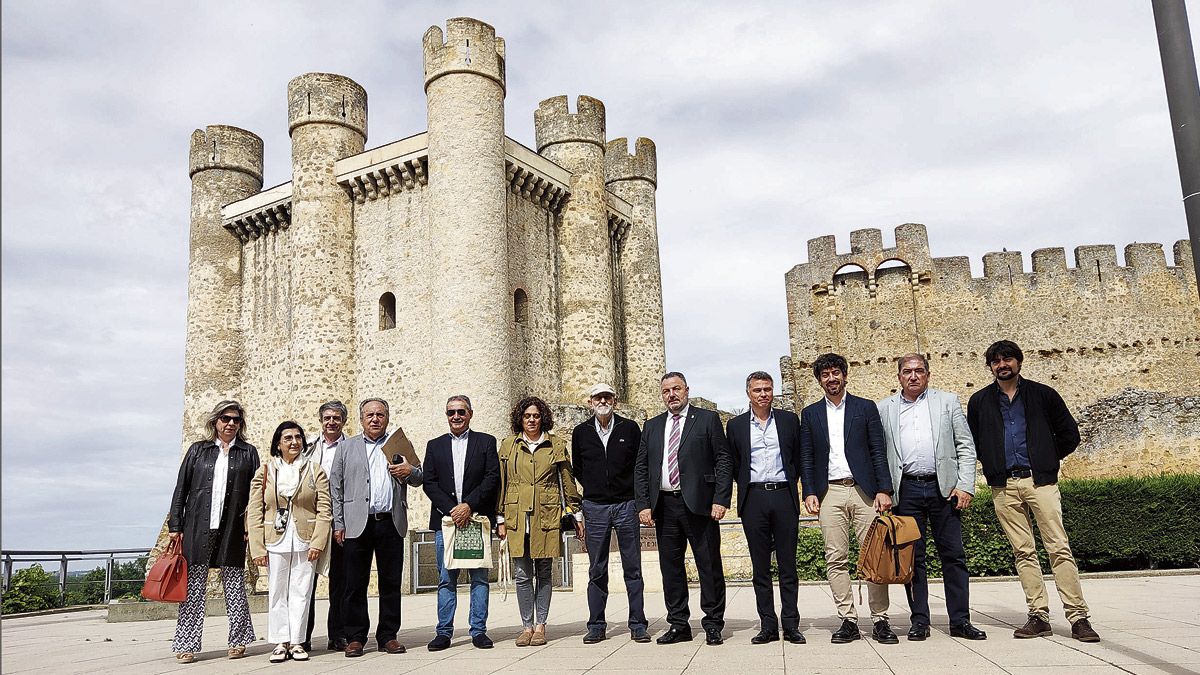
{"type": "Point", "coordinates": [766, 456]}
{"type": "Point", "coordinates": [603, 452]}
{"type": "Point", "coordinates": [462, 473]}
{"type": "Point", "coordinates": [844, 472]}
{"type": "Point", "coordinates": [683, 483]}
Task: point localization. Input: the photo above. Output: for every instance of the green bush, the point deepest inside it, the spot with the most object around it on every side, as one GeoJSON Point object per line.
{"type": "Point", "coordinates": [32, 589]}
{"type": "Point", "coordinates": [1114, 524]}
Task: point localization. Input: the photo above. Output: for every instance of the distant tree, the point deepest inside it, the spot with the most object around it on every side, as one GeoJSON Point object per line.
{"type": "Point", "coordinates": [32, 589]}
{"type": "Point", "coordinates": [88, 589]}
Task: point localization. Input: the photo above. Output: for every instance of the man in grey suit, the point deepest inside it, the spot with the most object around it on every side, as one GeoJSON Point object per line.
{"type": "Point", "coordinates": [931, 458]}
{"type": "Point", "coordinates": [370, 517]}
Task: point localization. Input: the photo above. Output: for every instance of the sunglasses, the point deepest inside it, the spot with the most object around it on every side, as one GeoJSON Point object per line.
{"type": "Point", "coordinates": [230, 419]}
{"type": "Point", "coordinates": [456, 413]}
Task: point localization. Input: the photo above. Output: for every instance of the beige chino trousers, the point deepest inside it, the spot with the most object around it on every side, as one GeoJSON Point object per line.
{"type": "Point", "coordinates": [1015, 503]}
{"type": "Point", "coordinates": [842, 507]}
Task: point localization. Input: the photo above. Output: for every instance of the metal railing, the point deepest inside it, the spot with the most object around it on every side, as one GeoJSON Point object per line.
{"type": "Point", "coordinates": [110, 557]}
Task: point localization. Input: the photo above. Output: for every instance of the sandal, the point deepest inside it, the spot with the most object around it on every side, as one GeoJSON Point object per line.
{"type": "Point", "coordinates": [280, 654]}
{"type": "Point", "coordinates": [185, 657]}
{"type": "Point", "coordinates": [237, 652]}
{"type": "Point", "coordinates": [298, 654]}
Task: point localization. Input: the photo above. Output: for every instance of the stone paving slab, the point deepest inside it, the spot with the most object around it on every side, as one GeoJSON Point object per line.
{"type": "Point", "coordinates": [1148, 625]}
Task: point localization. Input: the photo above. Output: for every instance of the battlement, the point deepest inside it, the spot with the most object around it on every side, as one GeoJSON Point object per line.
{"type": "Point", "coordinates": [868, 253]}
{"type": "Point", "coordinates": [325, 98]}
{"type": "Point", "coordinates": [641, 165]}
{"type": "Point", "coordinates": [224, 147]}
{"type": "Point", "coordinates": [1093, 263]}
{"type": "Point", "coordinates": [467, 46]}
{"type": "Point", "coordinates": [553, 123]}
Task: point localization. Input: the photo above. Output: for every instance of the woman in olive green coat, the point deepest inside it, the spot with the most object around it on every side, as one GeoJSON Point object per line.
{"type": "Point", "coordinates": [537, 489]}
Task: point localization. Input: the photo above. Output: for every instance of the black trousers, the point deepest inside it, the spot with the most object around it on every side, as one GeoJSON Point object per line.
{"type": "Point", "coordinates": [600, 521]}
{"type": "Point", "coordinates": [772, 522]}
{"type": "Point", "coordinates": [381, 540]}
{"type": "Point", "coordinates": [676, 528]}
{"type": "Point", "coordinates": [923, 501]}
{"type": "Point", "coordinates": [337, 594]}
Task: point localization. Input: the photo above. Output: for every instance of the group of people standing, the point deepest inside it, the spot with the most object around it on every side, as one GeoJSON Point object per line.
{"type": "Point", "coordinates": [331, 505]}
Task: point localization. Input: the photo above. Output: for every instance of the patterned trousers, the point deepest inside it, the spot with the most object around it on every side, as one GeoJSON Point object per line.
{"type": "Point", "coordinates": [190, 627]}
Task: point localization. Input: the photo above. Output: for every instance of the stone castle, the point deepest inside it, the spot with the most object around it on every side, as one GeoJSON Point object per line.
{"type": "Point", "coordinates": [1092, 331]}
{"type": "Point", "coordinates": [452, 261]}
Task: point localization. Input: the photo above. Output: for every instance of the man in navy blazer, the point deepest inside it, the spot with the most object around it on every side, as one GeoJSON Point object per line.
{"type": "Point", "coordinates": [462, 473]}
{"type": "Point", "coordinates": [844, 472]}
{"type": "Point", "coordinates": [766, 458]}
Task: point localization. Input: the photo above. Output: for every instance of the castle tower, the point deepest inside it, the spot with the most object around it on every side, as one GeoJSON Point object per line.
{"type": "Point", "coordinates": [575, 141]}
{"type": "Point", "coordinates": [634, 178]}
{"type": "Point", "coordinates": [473, 313]}
{"type": "Point", "coordinates": [225, 164]}
{"type": "Point", "coordinates": [327, 120]}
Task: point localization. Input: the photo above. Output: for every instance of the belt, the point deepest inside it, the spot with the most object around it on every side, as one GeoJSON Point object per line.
{"type": "Point", "coordinates": [929, 478]}
{"type": "Point", "coordinates": [769, 486]}
{"type": "Point", "coordinates": [848, 482]}
{"type": "Point", "coordinates": [671, 493]}
{"type": "Point", "coordinates": [1019, 473]}
{"type": "Point", "coordinates": [386, 515]}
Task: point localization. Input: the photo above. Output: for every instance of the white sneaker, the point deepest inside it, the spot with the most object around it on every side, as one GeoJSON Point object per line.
{"type": "Point", "coordinates": [298, 653]}
{"type": "Point", "coordinates": [281, 653]}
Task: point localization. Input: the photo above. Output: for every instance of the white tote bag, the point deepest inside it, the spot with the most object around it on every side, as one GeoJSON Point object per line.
{"type": "Point", "coordinates": [467, 547]}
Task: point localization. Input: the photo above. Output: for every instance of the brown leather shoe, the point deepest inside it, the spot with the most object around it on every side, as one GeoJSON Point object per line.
{"type": "Point", "coordinates": [1036, 626]}
{"type": "Point", "coordinates": [392, 647]}
{"type": "Point", "coordinates": [1082, 630]}
{"type": "Point", "coordinates": [354, 649]}
{"type": "Point", "coordinates": [539, 636]}
{"type": "Point", "coordinates": [524, 638]}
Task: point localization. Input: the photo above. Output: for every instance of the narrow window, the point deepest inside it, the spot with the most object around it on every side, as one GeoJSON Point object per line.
{"type": "Point", "coordinates": [521, 306]}
{"type": "Point", "coordinates": [387, 311]}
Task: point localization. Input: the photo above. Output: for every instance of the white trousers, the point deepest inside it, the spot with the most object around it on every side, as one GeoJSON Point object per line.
{"type": "Point", "coordinates": [290, 582]}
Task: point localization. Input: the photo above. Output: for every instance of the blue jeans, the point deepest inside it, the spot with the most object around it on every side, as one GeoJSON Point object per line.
{"type": "Point", "coordinates": [447, 600]}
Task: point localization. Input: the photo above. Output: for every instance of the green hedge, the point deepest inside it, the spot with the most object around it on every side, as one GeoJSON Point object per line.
{"type": "Point", "coordinates": [1131, 523]}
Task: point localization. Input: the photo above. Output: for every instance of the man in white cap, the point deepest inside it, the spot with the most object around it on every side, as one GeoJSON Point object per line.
{"type": "Point", "coordinates": [603, 452]}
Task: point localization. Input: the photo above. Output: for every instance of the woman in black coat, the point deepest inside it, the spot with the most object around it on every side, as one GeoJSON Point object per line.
{"type": "Point", "coordinates": [208, 511]}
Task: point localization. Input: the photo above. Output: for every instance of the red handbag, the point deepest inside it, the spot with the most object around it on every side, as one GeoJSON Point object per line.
{"type": "Point", "coordinates": [167, 579]}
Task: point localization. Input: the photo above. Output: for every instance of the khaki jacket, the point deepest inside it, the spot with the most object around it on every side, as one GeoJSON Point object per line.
{"type": "Point", "coordinates": [529, 484]}
{"type": "Point", "coordinates": [311, 510]}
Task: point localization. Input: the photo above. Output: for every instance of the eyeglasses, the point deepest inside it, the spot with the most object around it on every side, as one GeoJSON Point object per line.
{"type": "Point", "coordinates": [230, 419]}
{"type": "Point", "coordinates": [456, 413]}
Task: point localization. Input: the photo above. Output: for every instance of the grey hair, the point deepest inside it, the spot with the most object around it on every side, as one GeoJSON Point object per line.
{"type": "Point", "coordinates": [211, 423]}
{"type": "Point", "coordinates": [380, 401]}
{"type": "Point", "coordinates": [673, 373]}
{"type": "Point", "coordinates": [336, 406]}
{"type": "Point", "coordinates": [462, 398]}
{"type": "Point", "coordinates": [913, 356]}
{"type": "Point", "coordinates": [759, 375]}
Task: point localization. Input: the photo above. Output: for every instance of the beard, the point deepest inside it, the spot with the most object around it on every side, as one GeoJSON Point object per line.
{"type": "Point", "coordinates": [604, 410]}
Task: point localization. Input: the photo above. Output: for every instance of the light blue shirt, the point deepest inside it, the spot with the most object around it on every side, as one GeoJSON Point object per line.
{"type": "Point", "coordinates": [917, 449]}
{"type": "Point", "coordinates": [377, 475]}
{"type": "Point", "coordinates": [766, 460]}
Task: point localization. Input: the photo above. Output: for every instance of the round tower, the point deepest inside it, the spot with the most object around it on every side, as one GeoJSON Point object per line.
{"type": "Point", "coordinates": [225, 165]}
{"type": "Point", "coordinates": [587, 338]}
{"type": "Point", "coordinates": [473, 315]}
{"type": "Point", "coordinates": [327, 120]}
{"type": "Point", "coordinates": [634, 178]}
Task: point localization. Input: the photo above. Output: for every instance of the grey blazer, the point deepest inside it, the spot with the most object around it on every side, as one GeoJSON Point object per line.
{"type": "Point", "coordinates": [954, 447]}
{"type": "Point", "coordinates": [351, 492]}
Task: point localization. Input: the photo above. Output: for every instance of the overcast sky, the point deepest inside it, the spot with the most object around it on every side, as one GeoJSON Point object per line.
{"type": "Point", "coordinates": [1016, 124]}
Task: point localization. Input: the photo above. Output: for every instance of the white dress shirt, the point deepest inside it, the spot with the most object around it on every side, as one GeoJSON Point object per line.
{"type": "Point", "coordinates": [666, 472]}
{"type": "Point", "coordinates": [766, 458]}
{"type": "Point", "coordinates": [458, 452]}
{"type": "Point", "coordinates": [839, 468]}
{"type": "Point", "coordinates": [323, 453]}
{"type": "Point", "coordinates": [377, 475]}
{"type": "Point", "coordinates": [916, 437]}
{"type": "Point", "coordinates": [605, 433]}
{"type": "Point", "coordinates": [220, 480]}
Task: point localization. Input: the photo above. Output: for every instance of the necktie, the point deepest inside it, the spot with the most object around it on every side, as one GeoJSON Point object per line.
{"type": "Point", "coordinates": [673, 453]}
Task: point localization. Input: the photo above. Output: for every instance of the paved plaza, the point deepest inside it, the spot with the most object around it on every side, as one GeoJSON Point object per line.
{"type": "Point", "coordinates": [1150, 624]}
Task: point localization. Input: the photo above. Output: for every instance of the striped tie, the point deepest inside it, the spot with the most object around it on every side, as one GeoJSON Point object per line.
{"type": "Point", "coordinates": [673, 454]}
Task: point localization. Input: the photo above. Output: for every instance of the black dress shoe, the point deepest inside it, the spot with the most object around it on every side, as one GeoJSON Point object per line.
{"type": "Point", "coordinates": [438, 643]}
{"type": "Point", "coordinates": [482, 641]}
{"type": "Point", "coordinates": [847, 633]}
{"type": "Point", "coordinates": [918, 632]}
{"type": "Point", "coordinates": [967, 631]}
{"type": "Point", "coordinates": [639, 634]}
{"type": "Point", "coordinates": [794, 636]}
{"type": "Point", "coordinates": [593, 636]}
{"type": "Point", "coordinates": [338, 645]}
{"type": "Point", "coordinates": [764, 636]}
{"type": "Point", "coordinates": [306, 646]}
{"type": "Point", "coordinates": [712, 636]}
{"type": "Point", "coordinates": [883, 633]}
{"type": "Point", "coordinates": [674, 635]}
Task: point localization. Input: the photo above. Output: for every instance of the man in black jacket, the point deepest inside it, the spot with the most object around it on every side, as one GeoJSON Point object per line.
{"type": "Point", "coordinates": [1022, 430]}
{"type": "Point", "coordinates": [603, 452]}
